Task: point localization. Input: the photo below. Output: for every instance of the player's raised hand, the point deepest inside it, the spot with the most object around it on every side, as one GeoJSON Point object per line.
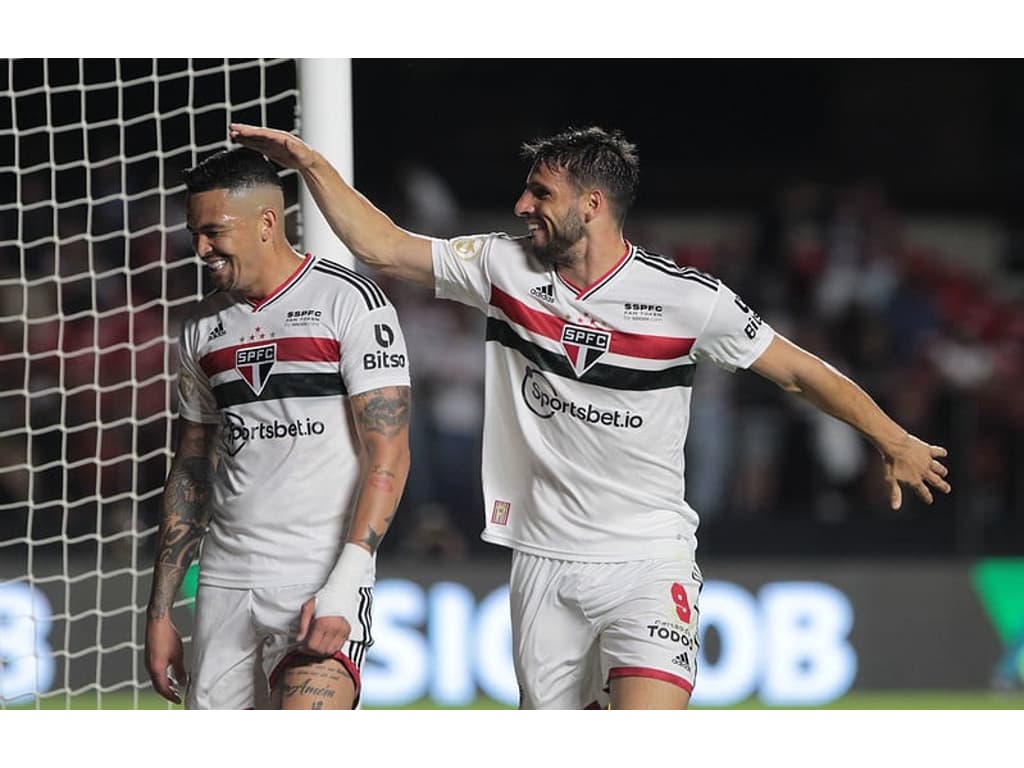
{"type": "Point", "coordinates": [280, 146]}
{"type": "Point", "coordinates": [321, 635]}
{"type": "Point", "coordinates": [917, 464]}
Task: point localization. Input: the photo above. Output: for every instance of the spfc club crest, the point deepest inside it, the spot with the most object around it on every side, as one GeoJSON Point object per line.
{"type": "Point", "coordinates": [255, 364]}
{"type": "Point", "coordinates": [584, 346]}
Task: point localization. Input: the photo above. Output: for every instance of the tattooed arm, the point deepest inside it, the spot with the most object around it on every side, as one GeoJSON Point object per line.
{"type": "Point", "coordinates": [382, 422]}
{"type": "Point", "coordinates": [183, 522]}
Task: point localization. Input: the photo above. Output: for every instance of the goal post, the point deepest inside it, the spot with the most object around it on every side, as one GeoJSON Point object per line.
{"type": "Point", "coordinates": [325, 109]}
{"type": "Point", "coordinates": [96, 274]}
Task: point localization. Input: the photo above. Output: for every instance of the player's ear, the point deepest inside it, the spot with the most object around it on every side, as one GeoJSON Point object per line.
{"type": "Point", "coordinates": [594, 202]}
{"type": "Point", "coordinates": [269, 221]}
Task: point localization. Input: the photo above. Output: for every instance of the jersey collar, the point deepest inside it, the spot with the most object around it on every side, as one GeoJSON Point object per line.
{"type": "Point", "coordinates": [586, 293]}
{"type": "Point", "coordinates": [293, 278]}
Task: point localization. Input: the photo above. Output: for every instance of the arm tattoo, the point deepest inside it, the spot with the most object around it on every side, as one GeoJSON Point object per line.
{"type": "Point", "coordinates": [382, 418]}
{"type": "Point", "coordinates": [186, 515]}
{"type": "Point", "coordinates": [384, 410]}
{"type": "Point", "coordinates": [373, 538]}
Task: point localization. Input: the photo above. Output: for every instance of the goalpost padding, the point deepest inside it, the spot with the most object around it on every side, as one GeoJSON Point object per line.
{"type": "Point", "coordinates": [96, 273]}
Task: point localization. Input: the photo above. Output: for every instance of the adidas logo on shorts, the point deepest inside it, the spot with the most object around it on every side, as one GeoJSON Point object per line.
{"type": "Point", "coordinates": [544, 292]}
{"type": "Point", "coordinates": [682, 660]}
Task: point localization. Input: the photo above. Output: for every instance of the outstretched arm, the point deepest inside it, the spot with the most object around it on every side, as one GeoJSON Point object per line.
{"type": "Point", "coordinates": [371, 236]}
{"type": "Point", "coordinates": [382, 422]}
{"type": "Point", "coordinates": [183, 521]}
{"type": "Point", "coordinates": [907, 459]}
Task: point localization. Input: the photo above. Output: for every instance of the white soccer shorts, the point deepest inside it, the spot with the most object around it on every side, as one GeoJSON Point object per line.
{"type": "Point", "coordinates": [242, 636]}
{"type": "Point", "coordinates": [577, 625]}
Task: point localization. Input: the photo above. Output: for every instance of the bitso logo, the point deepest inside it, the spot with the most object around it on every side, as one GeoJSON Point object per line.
{"type": "Point", "coordinates": [584, 346]}
{"type": "Point", "coordinates": [384, 335]}
{"type": "Point", "coordinates": [255, 364]}
{"type": "Point", "coordinates": [380, 359]}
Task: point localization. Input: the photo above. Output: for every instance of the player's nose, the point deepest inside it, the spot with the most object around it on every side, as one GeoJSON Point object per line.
{"type": "Point", "coordinates": [524, 205]}
{"type": "Point", "coordinates": [202, 244]}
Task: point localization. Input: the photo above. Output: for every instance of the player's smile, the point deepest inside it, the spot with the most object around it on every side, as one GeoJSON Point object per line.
{"type": "Point", "coordinates": [220, 269]}
{"type": "Point", "coordinates": [538, 231]}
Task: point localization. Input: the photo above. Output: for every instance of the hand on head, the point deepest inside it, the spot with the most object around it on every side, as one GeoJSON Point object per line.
{"type": "Point", "coordinates": [281, 147]}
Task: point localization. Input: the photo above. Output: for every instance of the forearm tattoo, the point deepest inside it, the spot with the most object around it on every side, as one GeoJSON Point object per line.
{"type": "Point", "coordinates": [373, 538]}
{"type": "Point", "coordinates": [186, 515]}
{"type": "Point", "coordinates": [381, 413]}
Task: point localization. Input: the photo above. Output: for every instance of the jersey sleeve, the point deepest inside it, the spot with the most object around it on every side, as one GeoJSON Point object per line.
{"type": "Point", "coordinates": [734, 336]}
{"type": "Point", "coordinates": [195, 395]}
{"type": "Point", "coordinates": [373, 352]}
{"type": "Point", "coordinates": [460, 269]}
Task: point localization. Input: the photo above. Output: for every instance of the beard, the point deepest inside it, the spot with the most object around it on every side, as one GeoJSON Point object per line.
{"type": "Point", "coordinates": [557, 251]}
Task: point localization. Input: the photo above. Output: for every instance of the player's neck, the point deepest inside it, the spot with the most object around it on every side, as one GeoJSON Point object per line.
{"type": "Point", "coordinates": [599, 256]}
{"type": "Point", "coordinates": [279, 266]}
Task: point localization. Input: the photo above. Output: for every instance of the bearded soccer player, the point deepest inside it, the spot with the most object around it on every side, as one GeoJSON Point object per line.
{"type": "Point", "coordinates": [592, 344]}
{"type": "Point", "coordinates": [292, 456]}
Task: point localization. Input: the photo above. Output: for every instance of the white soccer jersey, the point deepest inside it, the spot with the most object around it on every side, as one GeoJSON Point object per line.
{"type": "Point", "coordinates": [588, 394]}
{"type": "Point", "coordinates": [276, 374]}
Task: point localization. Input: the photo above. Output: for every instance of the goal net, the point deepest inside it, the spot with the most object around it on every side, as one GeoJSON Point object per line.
{"type": "Point", "coordinates": [96, 274]}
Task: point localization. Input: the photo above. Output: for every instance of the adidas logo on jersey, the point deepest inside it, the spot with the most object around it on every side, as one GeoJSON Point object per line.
{"type": "Point", "coordinates": [682, 660]}
{"type": "Point", "coordinates": [544, 292]}
{"type": "Point", "coordinates": [217, 332]}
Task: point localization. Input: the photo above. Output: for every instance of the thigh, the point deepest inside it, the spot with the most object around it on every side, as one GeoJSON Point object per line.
{"type": "Point", "coordinates": [650, 642]}
{"type": "Point", "coordinates": [300, 681]}
{"type": "Point", "coordinates": [309, 682]}
{"type": "Point", "coordinates": [554, 645]}
{"type": "Point", "coordinates": [225, 651]}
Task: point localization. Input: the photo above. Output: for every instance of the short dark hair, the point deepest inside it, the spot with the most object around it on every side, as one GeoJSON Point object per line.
{"type": "Point", "coordinates": [235, 170]}
{"type": "Point", "coordinates": [592, 157]}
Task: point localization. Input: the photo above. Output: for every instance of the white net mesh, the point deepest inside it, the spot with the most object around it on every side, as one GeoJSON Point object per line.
{"type": "Point", "coordinates": [96, 273]}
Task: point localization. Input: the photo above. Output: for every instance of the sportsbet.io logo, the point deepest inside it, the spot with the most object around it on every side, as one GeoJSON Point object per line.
{"type": "Point", "coordinates": [236, 433]}
{"type": "Point", "coordinates": [542, 398]}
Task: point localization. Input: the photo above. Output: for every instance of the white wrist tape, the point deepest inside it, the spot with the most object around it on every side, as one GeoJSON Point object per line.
{"type": "Point", "coordinates": [340, 595]}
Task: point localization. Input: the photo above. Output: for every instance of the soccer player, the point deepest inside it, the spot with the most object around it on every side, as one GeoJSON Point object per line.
{"type": "Point", "coordinates": [292, 455]}
{"type": "Point", "coordinates": [592, 344]}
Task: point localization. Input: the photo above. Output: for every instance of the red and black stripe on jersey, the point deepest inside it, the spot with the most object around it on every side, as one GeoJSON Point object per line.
{"type": "Point", "coordinates": [633, 345]}
{"type": "Point", "coordinates": [283, 384]}
{"type": "Point", "coordinates": [280, 386]}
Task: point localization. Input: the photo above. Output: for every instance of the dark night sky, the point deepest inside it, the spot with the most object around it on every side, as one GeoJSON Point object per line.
{"type": "Point", "coordinates": [941, 135]}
